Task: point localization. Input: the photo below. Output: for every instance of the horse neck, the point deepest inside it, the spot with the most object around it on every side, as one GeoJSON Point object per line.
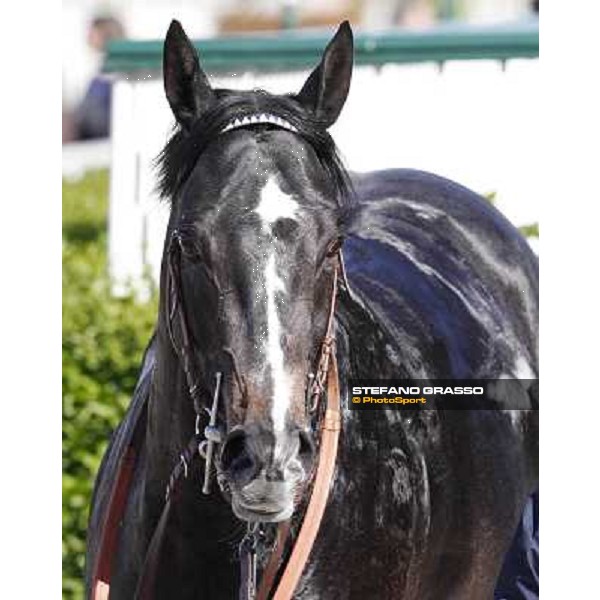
{"type": "Point", "coordinates": [365, 349]}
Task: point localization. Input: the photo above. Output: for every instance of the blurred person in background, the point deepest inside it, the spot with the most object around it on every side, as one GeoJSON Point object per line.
{"type": "Point", "coordinates": [92, 116]}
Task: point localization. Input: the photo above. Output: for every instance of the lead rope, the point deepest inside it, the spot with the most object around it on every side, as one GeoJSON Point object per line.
{"type": "Point", "coordinates": [330, 433]}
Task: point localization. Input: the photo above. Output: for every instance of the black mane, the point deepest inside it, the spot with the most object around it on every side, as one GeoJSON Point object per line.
{"type": "Point", "coordinates": [178, 158]}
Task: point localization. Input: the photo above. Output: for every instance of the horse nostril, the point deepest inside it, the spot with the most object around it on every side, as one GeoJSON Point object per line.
{"type": "Point", "coordinates": [274, 474]}
{"type": "Point", "coordinates": [236, 457]}
{"type": "Point", "coordinates": [307, 447]}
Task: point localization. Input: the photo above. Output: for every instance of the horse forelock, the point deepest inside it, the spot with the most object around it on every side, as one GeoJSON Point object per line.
{"type": "Point", "coordinates": [257, 109]}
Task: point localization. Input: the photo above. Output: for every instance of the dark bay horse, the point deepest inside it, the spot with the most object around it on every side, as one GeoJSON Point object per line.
{"type": "Point", "coordinates": [424, 503]}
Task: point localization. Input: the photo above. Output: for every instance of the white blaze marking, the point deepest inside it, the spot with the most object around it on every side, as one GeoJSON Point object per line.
{"type": "Point", "coordinates": [274, 205]}
{"type": "Point", "coordinates": [275, 356]}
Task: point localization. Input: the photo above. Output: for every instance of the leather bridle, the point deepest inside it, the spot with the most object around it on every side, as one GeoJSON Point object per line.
{"type": "Point", "coordinates": [325, 379]}
{"type": "Point", "coordinates": [326, 373]}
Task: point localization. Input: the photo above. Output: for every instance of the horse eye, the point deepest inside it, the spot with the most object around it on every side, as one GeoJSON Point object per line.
{"type": "Point", "coordinates": [285, 229]}
{"type": "Point", "coordinates": [191, 251]}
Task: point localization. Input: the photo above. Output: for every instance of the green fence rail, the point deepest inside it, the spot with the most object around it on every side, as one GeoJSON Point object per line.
{"type": "Point", "coordinates": [300, 50]}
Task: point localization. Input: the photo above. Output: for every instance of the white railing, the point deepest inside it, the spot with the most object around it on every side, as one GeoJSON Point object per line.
{"type": "Point", "coordinates": [79, 157]}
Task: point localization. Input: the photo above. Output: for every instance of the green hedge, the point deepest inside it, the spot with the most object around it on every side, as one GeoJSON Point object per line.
{"type": "Point", "coordinates": [103, 341]}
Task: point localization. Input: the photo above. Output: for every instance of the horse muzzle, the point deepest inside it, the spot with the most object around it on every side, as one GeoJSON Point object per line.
{"type": "Point", "coordinates": [264, 501]}
{"type": "Point", "coordinates": [263, 473]}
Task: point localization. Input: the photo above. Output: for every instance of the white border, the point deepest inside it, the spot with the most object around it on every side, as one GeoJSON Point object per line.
{"type": "Point", "coordinates": [30, 301]}
{"type": "Point", "coordinates": [569, 167]}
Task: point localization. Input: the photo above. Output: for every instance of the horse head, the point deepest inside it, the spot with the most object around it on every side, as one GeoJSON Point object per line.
{"type": "Point", "coordinates": [257, 193]}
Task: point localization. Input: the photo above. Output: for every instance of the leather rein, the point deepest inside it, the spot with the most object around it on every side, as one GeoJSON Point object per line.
{"type": "Point", "coordinates": [202, 445]}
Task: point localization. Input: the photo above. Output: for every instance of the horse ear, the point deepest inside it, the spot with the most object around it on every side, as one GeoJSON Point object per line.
{"type": "Point", "coordinates": [326, 89]}
{"type": "Point", "coordinates": [186, 86]}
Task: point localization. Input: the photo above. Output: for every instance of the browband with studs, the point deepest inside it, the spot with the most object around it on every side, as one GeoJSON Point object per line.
{"type": "Point", "coordinates": [259, 120]}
